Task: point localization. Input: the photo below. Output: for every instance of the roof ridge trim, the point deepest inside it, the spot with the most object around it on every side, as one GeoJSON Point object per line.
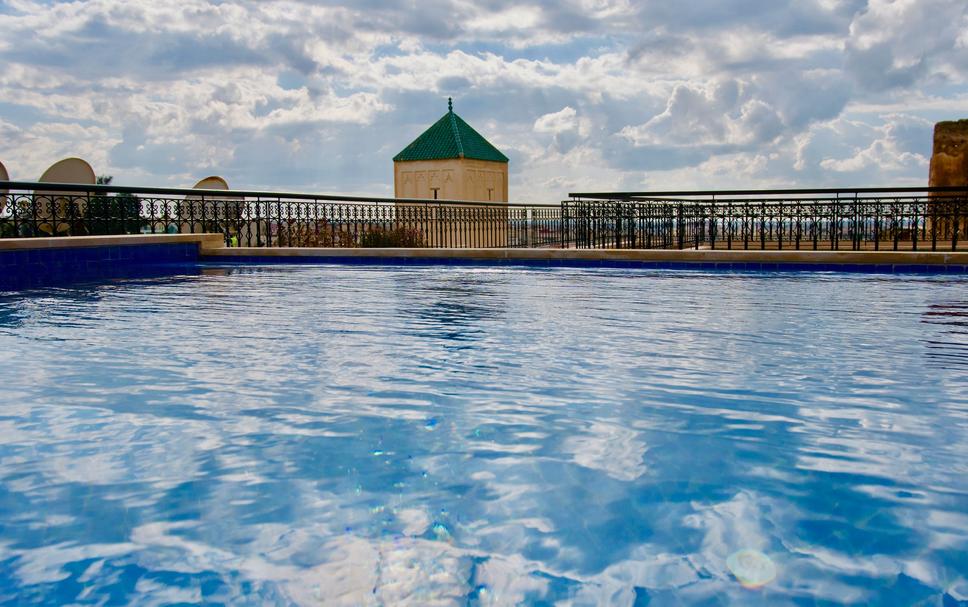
{"type": "Point", "coordinates": [454, 127]}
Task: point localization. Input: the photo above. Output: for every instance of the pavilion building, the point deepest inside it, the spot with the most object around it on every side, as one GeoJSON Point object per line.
{"type": "Point", "coordinates": [451, 161]}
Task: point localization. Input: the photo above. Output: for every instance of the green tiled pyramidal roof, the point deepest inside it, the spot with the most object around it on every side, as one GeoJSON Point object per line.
{"type": "Point", "coordinates": [450, 137]}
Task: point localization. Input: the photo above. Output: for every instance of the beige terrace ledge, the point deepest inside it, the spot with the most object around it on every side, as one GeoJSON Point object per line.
{"type": "Point", "coordinates": [652, 255]}
{"type": "Point", "coordinates": [206, 242]}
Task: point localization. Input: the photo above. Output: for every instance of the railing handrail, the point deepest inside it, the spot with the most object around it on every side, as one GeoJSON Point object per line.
{"type": "Point", "coordinates": [775, 192]}
{"type": "Point", "coordinates": [790, 200]}
{"type": "Point", "coordinates": [220, 194]}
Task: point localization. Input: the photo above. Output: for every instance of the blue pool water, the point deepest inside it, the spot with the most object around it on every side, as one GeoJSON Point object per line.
{"type": "Point", "coordinates": [473, 436]}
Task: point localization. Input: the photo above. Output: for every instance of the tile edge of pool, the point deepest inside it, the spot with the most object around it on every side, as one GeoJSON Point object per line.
{"type": "Point", "coordinates": [54, 261]}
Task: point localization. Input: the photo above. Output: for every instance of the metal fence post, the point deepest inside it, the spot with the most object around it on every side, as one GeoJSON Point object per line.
{"type": "Point", "coordinates": [680, 228]}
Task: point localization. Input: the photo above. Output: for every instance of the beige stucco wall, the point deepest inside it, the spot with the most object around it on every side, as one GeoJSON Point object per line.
{"type": "Point", "coordinates": [417, 179]}
{"type": "Point", "coordinates": [455, 179]}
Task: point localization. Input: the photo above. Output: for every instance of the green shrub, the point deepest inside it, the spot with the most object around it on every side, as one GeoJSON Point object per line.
{"type": "Point", "coordinates": [118, 214]}
{"type": "Point", "coordinates": [379, 238]}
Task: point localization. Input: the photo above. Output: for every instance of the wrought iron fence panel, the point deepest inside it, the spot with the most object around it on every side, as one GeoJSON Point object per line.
{"type": "Point", "coordinates": [858, 219]}
{"type": "Point", "coordinates": [853, 220]}
{"type": "Point", "coordinates": [260, 219]}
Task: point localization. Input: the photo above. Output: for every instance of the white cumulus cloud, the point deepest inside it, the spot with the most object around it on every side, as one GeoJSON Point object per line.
{"type": "Point", "coordinates": [597, 94]}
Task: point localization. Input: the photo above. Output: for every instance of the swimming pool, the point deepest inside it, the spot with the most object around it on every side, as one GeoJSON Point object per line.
{"type": "Point", "coordinates": [486, 436]}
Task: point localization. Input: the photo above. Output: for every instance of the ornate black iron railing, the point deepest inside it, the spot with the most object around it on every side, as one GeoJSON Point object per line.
{"type": "Point", "coordinates": [825, 219]}
{"type": "Point", "coordinates": [274, 219]}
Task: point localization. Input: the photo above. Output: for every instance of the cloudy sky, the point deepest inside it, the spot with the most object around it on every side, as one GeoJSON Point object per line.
{"type": "Point", "coordinates": [580, 94]}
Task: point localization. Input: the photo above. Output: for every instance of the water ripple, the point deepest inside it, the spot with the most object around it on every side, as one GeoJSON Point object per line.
{"type": "Point", "coordinates": [474, 436]}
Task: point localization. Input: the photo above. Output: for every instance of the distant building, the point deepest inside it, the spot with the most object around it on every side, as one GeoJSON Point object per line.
{"type": "Point", "coordinates": [451, 161]}
{"type": "Point", "coordinates": [949, 162]}
{"type": "Point", "coordinates": [949, 168]}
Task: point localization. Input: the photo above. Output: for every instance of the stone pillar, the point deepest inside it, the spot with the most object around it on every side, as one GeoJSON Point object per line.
{"type": "Point", "coordinates": [949, 163]}
{"type": "Point", "coordinates": [949, 167]}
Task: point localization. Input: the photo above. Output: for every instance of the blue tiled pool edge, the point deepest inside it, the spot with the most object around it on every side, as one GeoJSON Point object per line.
{"type": "Point", "coordinates": [741, 266]}
{"type": "Point", "coordinates": [38, 267]}
{"type": "Point", "coordinates": [27, 263]}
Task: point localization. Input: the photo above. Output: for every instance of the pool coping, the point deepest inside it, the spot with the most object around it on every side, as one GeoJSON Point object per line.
{"type": "Point", "coordinates": [586, 256]}
{"type": "Point", "coordinates": [206, 242]}
{"type": "Point", "coordinates": [212, 249]}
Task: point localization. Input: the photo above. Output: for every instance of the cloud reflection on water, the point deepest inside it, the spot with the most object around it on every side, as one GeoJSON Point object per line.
{"type": "Point", "coordinates": [294, 435]}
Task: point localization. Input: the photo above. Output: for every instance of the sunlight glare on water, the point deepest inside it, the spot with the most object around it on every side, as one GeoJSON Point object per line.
{"type": "Point", "coordinates": [474, 436]}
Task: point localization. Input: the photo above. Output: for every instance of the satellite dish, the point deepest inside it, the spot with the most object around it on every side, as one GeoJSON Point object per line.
{"type": "Point", "coordinates": [4, 176]}
{"type": "Point", "coordinates": [211, 212]}
{"type": "Point", "coordinates": [69, 170]}
{"type": "Point", "coordinates": [213, 182]}
{"type": "Point", "coordinates": [54, 208]}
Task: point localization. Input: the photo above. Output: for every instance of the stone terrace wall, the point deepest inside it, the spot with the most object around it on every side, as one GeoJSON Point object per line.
{"type": "Point", "coordinates": [949, 162]}
{"type": "Point", "coordinates": [949, 167]}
